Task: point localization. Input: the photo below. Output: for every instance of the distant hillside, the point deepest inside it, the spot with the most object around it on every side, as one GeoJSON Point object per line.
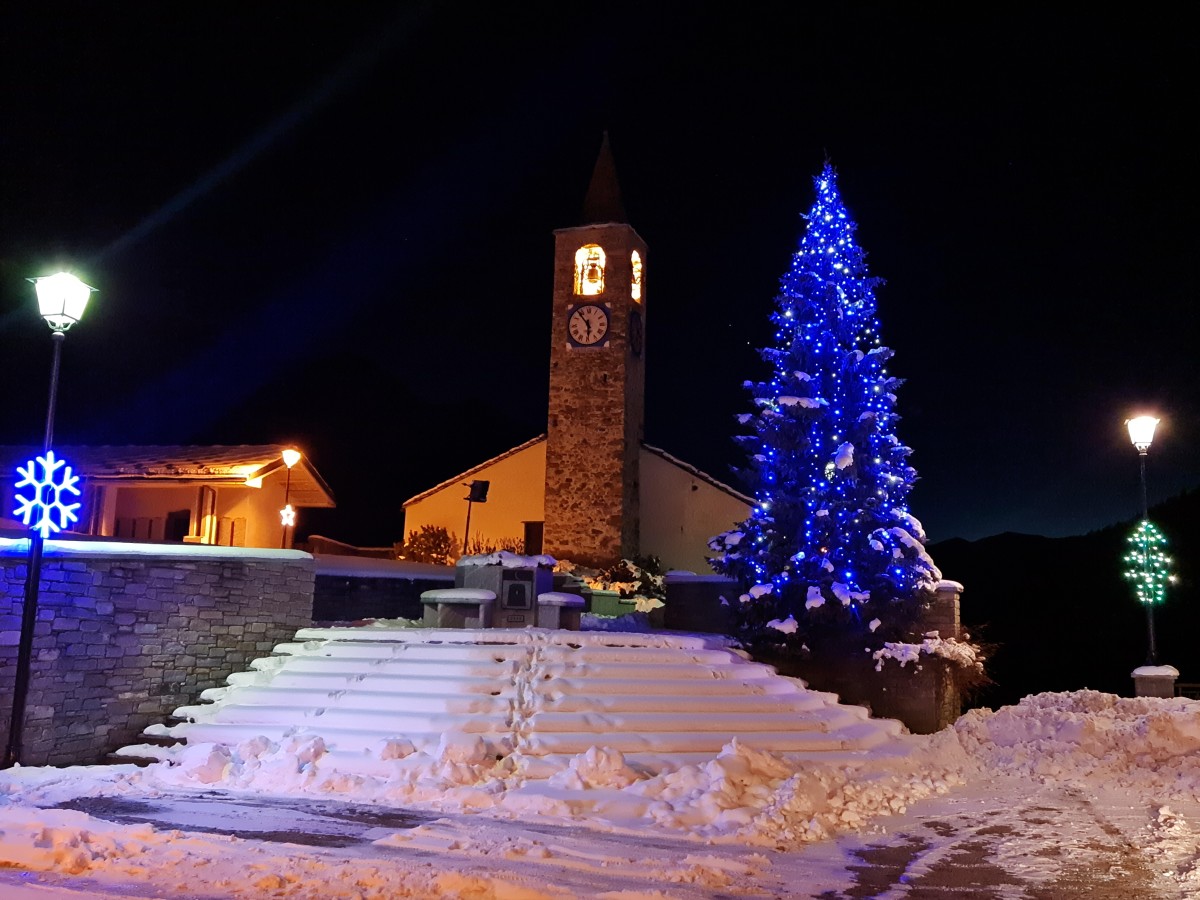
{"type": "Point", "coordinates": [1061, 613]}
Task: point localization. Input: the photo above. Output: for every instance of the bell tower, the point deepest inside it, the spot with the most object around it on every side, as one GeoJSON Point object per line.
{"type": "Point", "coordinates": [596, 419]}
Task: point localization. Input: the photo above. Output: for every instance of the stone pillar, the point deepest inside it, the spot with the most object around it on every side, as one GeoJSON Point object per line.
{"type": "Point", "coordinates": [942, 614]}
{"type": "Point", "coordinates": [1154, 681]}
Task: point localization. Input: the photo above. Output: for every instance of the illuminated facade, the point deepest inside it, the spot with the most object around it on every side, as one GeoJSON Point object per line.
{"type": "Point", "coordinates": [226, 496]}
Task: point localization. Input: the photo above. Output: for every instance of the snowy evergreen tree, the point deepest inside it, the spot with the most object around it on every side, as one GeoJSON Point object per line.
{"type": "Point", "coordinates": [830, 540]}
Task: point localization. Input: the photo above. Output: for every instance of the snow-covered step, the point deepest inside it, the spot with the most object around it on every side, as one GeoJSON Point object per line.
{"type": "Point", "coordinates": [657, 722]}
{"type": "Point", "coordinates": [695, 704]}
{"type": "Point", "coordinates": [443, 668]}
{"type": "Point", "coordinates": [711, 742]}
{"type": "Point", "coordinates": [650, 671]}
{"type": "Point", "coordinates": [387, 722]}
{"type": "Point", "coordinates": [428, 701]}
{"type": "Point", "coordinates": [382, 682]}
{"type": "Point", "coordinates": [533, 691]}
{"type": "Point", "coordinates": [408, 651]}
{"type": "Point", "coordinates": [348, 741]}
{"type": "Point", "coordinates": [709, 687]}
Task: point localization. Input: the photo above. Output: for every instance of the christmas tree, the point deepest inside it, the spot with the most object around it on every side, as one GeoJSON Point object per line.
{"type": "Point", "coordinates": [830, 543]}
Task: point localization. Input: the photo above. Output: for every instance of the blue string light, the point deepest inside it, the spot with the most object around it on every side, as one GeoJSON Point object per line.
{"type": "Point", "coordinates": [830, 478]}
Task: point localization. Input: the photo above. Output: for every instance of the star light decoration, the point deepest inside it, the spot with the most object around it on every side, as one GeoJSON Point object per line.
{"type": "Point", "coordinates": [1149, 566]}
{"type": "Point", "coordinates": [288, 516]}
{"type": "Point", "coordinates": [52, 481]}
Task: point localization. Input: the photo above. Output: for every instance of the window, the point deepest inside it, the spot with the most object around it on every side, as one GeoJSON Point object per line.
{"type": "Point", "coordinates": [589, 270]}
{"type": "Point", "coordinates": [635, 287]}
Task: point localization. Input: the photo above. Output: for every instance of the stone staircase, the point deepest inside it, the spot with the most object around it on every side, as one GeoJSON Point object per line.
{"type": "Point", "coordinates": [542, 693]}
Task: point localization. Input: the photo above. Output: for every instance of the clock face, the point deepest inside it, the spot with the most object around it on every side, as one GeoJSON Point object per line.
{"type": "Point", "coordinates": [587, 325]}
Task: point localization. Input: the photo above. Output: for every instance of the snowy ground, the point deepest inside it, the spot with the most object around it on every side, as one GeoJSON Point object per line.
{"type": "Point", "coordinates": [1079, 794]}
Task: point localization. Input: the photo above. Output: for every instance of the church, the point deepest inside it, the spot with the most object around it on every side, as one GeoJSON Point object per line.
{"type": "Point", "coordinates": [590, 490]}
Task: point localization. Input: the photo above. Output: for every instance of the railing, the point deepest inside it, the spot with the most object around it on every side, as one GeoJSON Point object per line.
{"type": "Point", "coordinates": [1191, 691]}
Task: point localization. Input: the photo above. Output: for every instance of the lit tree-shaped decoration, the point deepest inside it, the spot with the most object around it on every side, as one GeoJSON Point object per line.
{"type": "Point", "coordinates": [1147, 564]}
{"type": "Point", "coordinates": [830, 530]}
{"type": "Point", "coordinates": [51, 481]}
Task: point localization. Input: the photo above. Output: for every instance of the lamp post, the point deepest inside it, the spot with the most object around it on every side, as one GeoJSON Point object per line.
{"type": "Point", "coordinates": [62, 299]}
{"type": "Point", "coordinates": [288, 515]}
{"type": "Point", "coordinates": [1141, 435]}
{"type": "Point", "coordinates": [478, 491]}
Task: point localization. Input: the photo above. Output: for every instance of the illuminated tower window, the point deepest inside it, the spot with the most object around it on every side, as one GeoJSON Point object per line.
{"type": "Point", "coordinates": [635, 263]}
{"type": "Point", "coordinates": [589, 270]}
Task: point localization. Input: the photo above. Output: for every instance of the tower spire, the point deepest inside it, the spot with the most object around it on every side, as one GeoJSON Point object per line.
{"type": "Point", "coordinates": [603, 204]}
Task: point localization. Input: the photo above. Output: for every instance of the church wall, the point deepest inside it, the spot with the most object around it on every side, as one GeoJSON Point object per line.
{"type": "Point", "coordinates": [680, 512]}
{"type": "Point", "coordinates": [517, 494]}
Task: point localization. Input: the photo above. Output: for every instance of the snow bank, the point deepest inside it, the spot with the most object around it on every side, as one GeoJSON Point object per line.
{"type": "Point", "coordinates": [1144, 743]}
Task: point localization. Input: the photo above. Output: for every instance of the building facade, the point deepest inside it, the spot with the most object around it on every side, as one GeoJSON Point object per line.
{"type": "Point", "coordinates": [591, 490]}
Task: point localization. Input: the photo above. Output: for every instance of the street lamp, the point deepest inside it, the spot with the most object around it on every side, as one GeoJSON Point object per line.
{"type": "Point", "coordinates": [62, 298]}
{"type": "Point", "coordinates": [1141, 435]}
{"type": "Point", "coordinates": [288, 514]}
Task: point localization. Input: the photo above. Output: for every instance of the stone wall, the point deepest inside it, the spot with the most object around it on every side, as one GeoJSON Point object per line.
{"type": "Point", "coordinates": [123, 638]}
{"type": "Point", "coordinates": [925, 697]}
{"type": "Point", "coordinates": [339, 598]}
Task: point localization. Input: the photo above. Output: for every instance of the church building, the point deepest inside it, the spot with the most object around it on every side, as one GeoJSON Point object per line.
{"type": "Point", "coordinates": [590, 489]}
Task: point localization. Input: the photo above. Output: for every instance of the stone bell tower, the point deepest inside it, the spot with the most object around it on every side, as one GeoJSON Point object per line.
{"type": "Point", "coordinates": [597, 380]}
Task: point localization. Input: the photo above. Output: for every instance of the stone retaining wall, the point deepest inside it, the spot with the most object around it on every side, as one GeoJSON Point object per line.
{"type": "Point", "coordinates": [124, 637]}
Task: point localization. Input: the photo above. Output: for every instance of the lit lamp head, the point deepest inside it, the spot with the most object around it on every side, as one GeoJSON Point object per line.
{"type": "Point", "coordinates": [1141, 432]}
{"type": "Point", "coordinates": [62, 298]}
{"type": "Point", "coordinates": [291, 457]}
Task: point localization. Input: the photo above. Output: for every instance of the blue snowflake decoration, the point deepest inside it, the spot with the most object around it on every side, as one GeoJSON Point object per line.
{"type": "Point", "coordinates": [52, 482]}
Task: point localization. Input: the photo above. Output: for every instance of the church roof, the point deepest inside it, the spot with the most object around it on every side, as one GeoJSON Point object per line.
{"type": "Point", "coordinates": [696, 473]}
{"type": "Point", "coordinates": [603, 205]}
{"type": "Point", "coordinates": [475, 470]}
{"type": "Point", "coordinates": [661, 454]}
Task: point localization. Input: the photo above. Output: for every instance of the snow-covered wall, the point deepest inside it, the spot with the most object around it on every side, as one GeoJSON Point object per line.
{"type": "Point", "coordinates": [126, 633]}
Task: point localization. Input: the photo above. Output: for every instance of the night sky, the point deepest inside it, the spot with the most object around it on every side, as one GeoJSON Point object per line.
{"type": "Point", "coordinates": [333, 225]}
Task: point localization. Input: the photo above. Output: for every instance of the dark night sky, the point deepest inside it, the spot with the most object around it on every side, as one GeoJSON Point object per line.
{"type": "Point", "coordinates": [333, 225]}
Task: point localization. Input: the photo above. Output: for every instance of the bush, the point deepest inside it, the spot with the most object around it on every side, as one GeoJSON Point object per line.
{"type": "Point", "coordinates": [432, 544]}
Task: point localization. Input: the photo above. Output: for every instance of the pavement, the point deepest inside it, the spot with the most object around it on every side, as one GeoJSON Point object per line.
{"type": "Point", "coordinates": [1008, 839]}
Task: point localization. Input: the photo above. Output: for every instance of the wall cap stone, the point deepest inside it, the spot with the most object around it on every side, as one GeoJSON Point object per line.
{"type": "Point", "coordinates": [19, 547]}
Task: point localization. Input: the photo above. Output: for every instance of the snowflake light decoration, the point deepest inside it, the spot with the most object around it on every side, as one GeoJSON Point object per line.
{"type": "Point", "coordinates": [52, 482]}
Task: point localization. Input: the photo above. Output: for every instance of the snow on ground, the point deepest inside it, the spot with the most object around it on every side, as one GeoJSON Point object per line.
{"type": "Point", "coordinates": [388, 761]}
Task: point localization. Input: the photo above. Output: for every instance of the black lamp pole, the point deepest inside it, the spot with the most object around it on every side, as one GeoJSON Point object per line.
{"type": "Point", "coordinates": [33, 577]}
{"type": "Point", "coordinates": [1152, 650]}
{"type": "Point", "coordinates": [62, 299]}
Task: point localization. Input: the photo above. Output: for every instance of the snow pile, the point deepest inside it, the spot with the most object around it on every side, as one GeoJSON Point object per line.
{"type": "Point", "coordinates": [962, 653]}
{"type": "Point", "coordinates": [508, 560]}
{"type": "Point", "coordinates": [755, 797]}
{"type": "Point", "coordinates": [1146, 743]}
{"type": "Point", "coordinates": [741, 794]}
